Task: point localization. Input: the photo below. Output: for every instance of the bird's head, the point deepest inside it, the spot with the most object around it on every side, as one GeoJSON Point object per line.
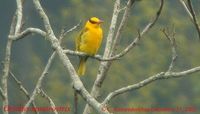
{"type": "Point", "coordinates": [94, 22]}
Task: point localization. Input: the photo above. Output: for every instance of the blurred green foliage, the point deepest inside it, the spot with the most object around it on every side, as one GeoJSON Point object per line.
{"type": "Point", "coordinates": [152, 55]}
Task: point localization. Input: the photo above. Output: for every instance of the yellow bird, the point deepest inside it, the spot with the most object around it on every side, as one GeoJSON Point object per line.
{"type": "Point", "coordinates": [89, 41]}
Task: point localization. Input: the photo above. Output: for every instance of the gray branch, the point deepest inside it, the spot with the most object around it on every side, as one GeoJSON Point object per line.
{"type": "Point", "coordinates": [172, 41]}
{"type": "Point", "coordinates": [97, 57]}
{"type": "Point", "coordinates": [19, 14]}
{"type": "Point", "coordinates": [104, 65]}
{"type": "Point", "coordinates": [159, 76]}
{"type": "Point", "coordinates": [190, 11]}
{"type": "Point", "coordinates": [43, 94]}
{"type": "Point", "coordinates": [39, 83]}
{"type": "Point", "coordinates": [144, 31]}
{"type": "Point", "coordinates": [21, 87]}
{"type": "Point", "coordinates": [46, 69]}
{"type": "Point", "coordinates": [27, 32]}
{"type": "Point", "coordinates": [78, 85]}
{"type": "Point", "coordinates": [14, 29]}
{"type": "Point", "coordinates": [116, 41]}
{"type": "Point", "coordinates": [195, 21]}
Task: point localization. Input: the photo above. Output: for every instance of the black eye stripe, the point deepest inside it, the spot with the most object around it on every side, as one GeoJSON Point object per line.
{"type": "Point", "coordinates": [93, 22]}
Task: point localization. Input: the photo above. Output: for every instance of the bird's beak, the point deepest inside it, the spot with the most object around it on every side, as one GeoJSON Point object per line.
{"type": "Point", "coordinates": [100, 21]}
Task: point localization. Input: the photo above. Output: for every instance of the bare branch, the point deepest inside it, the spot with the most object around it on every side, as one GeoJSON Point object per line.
{"type": "Point", "coordinates": [5, 73]}
{"type": "Point", "coordinates": [23, 89]}
{"type": "Point", "coordinates": [43, 94]}
{"type": "Point", "coordinates": [121, 26]}
{"type": "Point", "coordinates": [97, 57]}
{"type": "Point", "coordinates": [104, 65]}
{"type": "Point", "coordinates": [39, 82]}
{"type": "Point", "coordinates": [195, 21]}
{"type": "Point", "coordinates": [172, 41]}
{"type": "Point", "coordinates": [64, 33]}
{"type": "Point", "coordinates": [112, 28]}
{"type": "Point", "coordinates": [27, 32]}
{"type": "Point", "coordinates": [78, 85]}
{"type": "Point", "coordinates": [128, 48]}
{"type": "Point", "coordinates": [159, 76]}
{"type": "Point", "coordinates": [16, 23]}
{"type": "Point", "coordinates": [144, 31]}
{"type": "Point", "coordinates": [46, 69]}
{"type": "Point", "coordinates": [19, 14]}
{"type": "Point", "coordinates": [190, 11]}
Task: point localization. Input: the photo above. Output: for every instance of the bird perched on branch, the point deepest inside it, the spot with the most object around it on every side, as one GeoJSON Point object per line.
{"type": "Point", "coordinates": [89, 41]}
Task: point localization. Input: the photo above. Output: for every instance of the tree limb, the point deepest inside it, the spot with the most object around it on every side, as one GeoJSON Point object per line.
{"type": "Point", "coordinates": [104, 65]}
{"type": "Point", "coordinates": [19, 14]}
{"type": "Point", "coordinates": [78, 85]}
{"type": "Point", "coordinates": [172, 41]}
{"type": "Point", "coordinates": [195, 21]}
{"type": "Point", "coordinates": [27, 32]}
{"type": "Point", "coordinates": [39, 83]}
{"type": "Point", "coordinates": [21, 87]}
{"type": "Point", "coordinates": [190, 11]}
{"type": "Point", "coordinates": [14, 29]}
{"type": "Point", "coordinates": [46, 69]}
{"type": "Point", "coordinates": [144, 31]}
{"type": "Point", "coordinates": [121, 26]}
{"type": "Point", "coordinates": [159, 76]}
{"type": "Point", "coordinates": [97, 57]}
{"type": "Point", "coordinates": [65, 32]}
{"type": "Point", "coordinates": [43, 94]}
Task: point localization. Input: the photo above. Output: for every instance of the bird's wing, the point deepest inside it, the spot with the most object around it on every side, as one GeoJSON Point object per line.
{"type": "Point", "coordinates": [80, 38]}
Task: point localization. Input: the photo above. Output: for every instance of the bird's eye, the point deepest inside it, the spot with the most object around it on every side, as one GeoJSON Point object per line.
{"type": "Point", "coordinates": [92, 21]}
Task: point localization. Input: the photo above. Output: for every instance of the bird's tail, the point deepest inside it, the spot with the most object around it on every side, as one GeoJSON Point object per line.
{"type": "Point", "coordinates": [82, 66]}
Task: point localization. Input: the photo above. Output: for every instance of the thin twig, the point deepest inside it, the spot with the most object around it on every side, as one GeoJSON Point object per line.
{"type": "Point", "coordinates": [190, 11]}
{"type": "Point", "coordinates": [43, 94]}
{"type": "Point", "coordinates": [65, 32]}
{"type": "Point", "coordinates": [144, 31]}
{"type": "Point", "coordinates": [21, 87]}
{"type": "Point", "coordinates": [39, 82]}
{"type": "Point", "coordinates": [172, 41]}
{"type": "Point", "coordinates": [159, 76]}
{"type": "Point", "coordinates": [121, 26]}
{"type": "Point", "coordinates": [195, 21]}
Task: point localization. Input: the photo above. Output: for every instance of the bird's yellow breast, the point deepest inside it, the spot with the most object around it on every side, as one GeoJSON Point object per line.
{"type": "Point", "coordinates": [91, 41]}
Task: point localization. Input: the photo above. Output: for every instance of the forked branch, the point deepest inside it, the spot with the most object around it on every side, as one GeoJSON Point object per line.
{"type": "Point", "coordinates": [43, 94]}
{"type": "Point", "coordinates": [172, 41]}
{"type": "Point", "coordinates": [190, 11]}
{"type": "Point", "coordinates": [23, 89]}
{"type": "Point", "coordinates": [159, 76]}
